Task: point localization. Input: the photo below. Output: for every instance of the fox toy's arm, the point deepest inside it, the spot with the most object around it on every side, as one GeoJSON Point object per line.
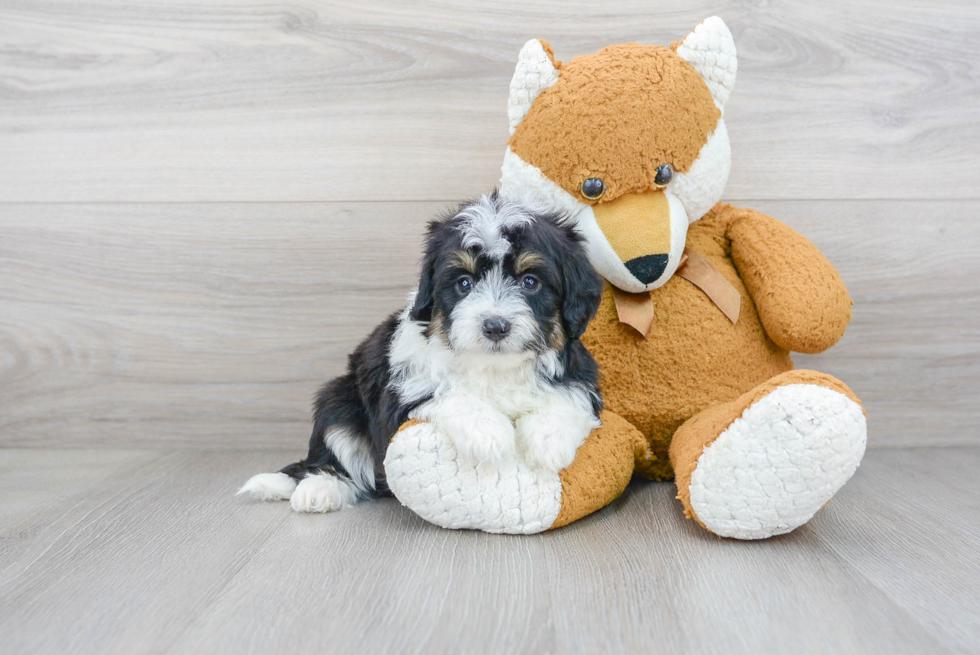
{"type": "Point", "coordinates": [801, 299]}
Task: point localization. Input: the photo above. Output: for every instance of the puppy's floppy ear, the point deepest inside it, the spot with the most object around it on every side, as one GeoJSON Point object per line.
{"type": "Point", "coordinates": [422, 308]}
{"type": "Point", "coordinates": [583, 290]}
{"type": "Point", "coordinates": [438, 232]}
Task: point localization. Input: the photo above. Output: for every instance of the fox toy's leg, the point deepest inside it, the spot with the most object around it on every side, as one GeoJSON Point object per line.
{"type": "Point", "coordinates": [764, 463]}
{"type": "Point", "coordinates": [426, 476]}
{"type": "Point", "coordinates": [603, 466]}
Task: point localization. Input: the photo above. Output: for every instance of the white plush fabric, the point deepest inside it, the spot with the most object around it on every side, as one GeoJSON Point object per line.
{"type": "Point", "coordinates": [781, 461]}
{"type": "Point", "coordinates": [534, 73]}
{"type": "Point", "coordinates": [426, 476]}
{"type": "Point", "coordinates": [710, 48]}
{"type": "Point", "coordinates": [700, 188]}
{"type": "Point", "coordinates": [520, 180]}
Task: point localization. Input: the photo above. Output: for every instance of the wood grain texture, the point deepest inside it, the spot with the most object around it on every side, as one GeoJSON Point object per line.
{"type": "Point", "coordinates": [121, 323]}
{"type": "Point", "coordinates": [213, 324]}
{"type": "Point", "coordinates": [395, 100]}
{"type": "Point", "coordinates": [155, 555]}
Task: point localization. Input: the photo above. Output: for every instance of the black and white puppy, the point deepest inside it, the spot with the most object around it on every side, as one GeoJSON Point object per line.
{"type": "Point", "coordinates": [488, 350]}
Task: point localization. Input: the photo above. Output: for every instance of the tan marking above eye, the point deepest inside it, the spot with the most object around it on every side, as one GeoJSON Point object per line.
{"type": "Point", "coordinates": [464, 259]}
{"type": "Point", "coordinates": [527, 260]}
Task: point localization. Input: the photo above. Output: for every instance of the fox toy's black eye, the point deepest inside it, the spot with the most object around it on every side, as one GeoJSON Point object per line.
{"type": "Point", "coordinates": [530, 283]}
{"type": "Point", "coordinates": [593, 188]}
{"type": "Point", "coordinates": [665, 174]}
{"type": "Point", "coordinates": [464, 285]}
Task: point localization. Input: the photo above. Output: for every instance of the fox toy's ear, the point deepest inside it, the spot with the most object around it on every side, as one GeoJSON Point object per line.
{"type": "Point", "coordinates": [536, 70]}
{"type": "Point", "coordinates": [710, 48]}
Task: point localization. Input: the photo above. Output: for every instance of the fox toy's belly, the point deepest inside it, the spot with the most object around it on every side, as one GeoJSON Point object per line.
{"type": "Point", "coordinates": [692, 357]}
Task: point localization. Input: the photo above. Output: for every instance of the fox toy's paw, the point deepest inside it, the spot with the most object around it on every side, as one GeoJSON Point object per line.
{"type": "Point", "coordinates": [765, 463]}
{"type": "Point", "coordinates": [549, 440]}
{"type": "Point", "coordinates": [425, 473]}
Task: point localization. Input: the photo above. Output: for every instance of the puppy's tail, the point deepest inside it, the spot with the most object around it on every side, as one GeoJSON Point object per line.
{"type": "Point", "coordinates": [277, 486]}
{"type": "Point", "coordinates": [270, 486]}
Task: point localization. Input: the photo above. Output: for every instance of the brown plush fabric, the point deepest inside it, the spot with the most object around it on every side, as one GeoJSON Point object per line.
{"type": "Point", "coordinates": [693, 356]}
{"type": "Point", "coordinates": [701, 430]}
{"type": "Point", "coordinates": [404, 426]}
{"type": "Point", "coordinates": [603, 467]}
{"type": "Point", "coordinates": [548, 50]}
{"type": "Point", "coordinates": [798, 293]}
{"type": "Point", "coordinates": [575, 128]}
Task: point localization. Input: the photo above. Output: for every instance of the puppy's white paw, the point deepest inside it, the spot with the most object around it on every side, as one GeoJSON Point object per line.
{"type": "Point", "coordinates": [323, 492]}
{"type": "Point", "coordinates": [549, 440]}
{"type": "Point", "coordinates": [481, 435]}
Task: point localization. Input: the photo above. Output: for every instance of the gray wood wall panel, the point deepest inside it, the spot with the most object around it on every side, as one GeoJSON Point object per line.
{"type": "Point", "coordinates": [213, 324]}
{"type": "Point", "coordinates": [394, 100]}
{"type": "Point", "coordinates": [139, 305]}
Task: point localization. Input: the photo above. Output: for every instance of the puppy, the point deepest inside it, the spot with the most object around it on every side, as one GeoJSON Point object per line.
{"type": "Point", "coordinates": [487, 350]}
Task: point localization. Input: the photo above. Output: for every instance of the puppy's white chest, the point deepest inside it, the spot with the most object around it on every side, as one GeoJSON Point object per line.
{"type": "Point", "coordinates": [513, 393]}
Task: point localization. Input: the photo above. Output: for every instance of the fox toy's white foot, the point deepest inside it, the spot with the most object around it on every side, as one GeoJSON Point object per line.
{"type": "Point", "coordinates": [782, 460]}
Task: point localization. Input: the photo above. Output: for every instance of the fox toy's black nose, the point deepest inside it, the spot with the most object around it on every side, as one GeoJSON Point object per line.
{"type": "Point", "coordinates": [647, 269]}
{"type": "Point", "coordinates": [495, 328]}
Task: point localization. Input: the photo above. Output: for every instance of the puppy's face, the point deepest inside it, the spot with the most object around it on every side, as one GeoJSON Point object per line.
{"type": "Point", "coordinates": [500, 279]}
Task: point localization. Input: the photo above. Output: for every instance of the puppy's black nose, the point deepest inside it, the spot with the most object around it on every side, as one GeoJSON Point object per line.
{"type": "Point", "coordinates": [495, 328]}
{"type": "Point", "coordinates": [647, 269]}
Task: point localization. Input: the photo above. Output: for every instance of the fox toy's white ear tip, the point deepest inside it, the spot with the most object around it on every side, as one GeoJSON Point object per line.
{"type": "Point", "coordinates": [535, 71]}
{"type": "Point", "coordinates": [715, 24]}
{"type": "Point", "coordinates": [710, 49]}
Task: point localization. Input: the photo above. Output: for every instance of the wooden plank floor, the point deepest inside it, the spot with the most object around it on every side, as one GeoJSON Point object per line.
{"type": "Point", "coordinates": [122, 551]}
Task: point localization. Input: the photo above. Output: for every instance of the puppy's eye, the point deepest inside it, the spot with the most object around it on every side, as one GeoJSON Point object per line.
{"type": "Point", "coordinates": [593, 188]}
{"type": "Point", "coordinates": [464, 285]}
{"type": "Point", "coordinates": [530, 283]}
{"type": "Point", "coordinates": [665, 174]}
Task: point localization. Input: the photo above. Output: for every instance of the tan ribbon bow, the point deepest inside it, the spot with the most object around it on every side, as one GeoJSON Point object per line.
{"type": "Point", "coordinates": [636, 309]}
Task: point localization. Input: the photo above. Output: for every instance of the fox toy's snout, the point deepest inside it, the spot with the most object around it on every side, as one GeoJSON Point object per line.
{"type": "Point", "coordinates": [637, 239]}
{"type": "Point", "coordinates": [637, 226]}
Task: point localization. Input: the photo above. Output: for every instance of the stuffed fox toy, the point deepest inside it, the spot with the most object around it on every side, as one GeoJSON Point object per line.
{"type": "Point", "coordinates": [703, 305]}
